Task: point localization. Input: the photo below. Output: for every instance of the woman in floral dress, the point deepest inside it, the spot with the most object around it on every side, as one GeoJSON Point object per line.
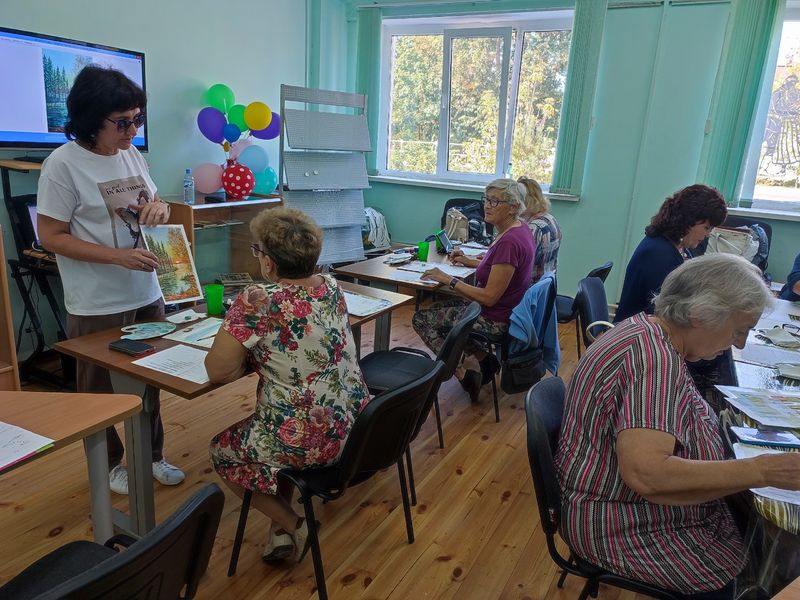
{"type": "Point", "coordinates": [294, 333]}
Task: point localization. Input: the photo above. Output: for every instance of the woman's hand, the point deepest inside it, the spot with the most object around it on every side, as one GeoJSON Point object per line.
{"type": "Point", "coordinates": [152, 213]}
{"type": "Point", "coordinates": [437, 275]}
{"type": "Point", "coordinates": [780, 470]}
{"type": "Point", "coordinates": [137, 259]}
{"type": "Point", "coordinates": [466, 261]}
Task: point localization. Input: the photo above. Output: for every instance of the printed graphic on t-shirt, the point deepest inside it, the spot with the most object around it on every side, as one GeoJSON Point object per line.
{"type": "Point", "coordinates": [119, 195]}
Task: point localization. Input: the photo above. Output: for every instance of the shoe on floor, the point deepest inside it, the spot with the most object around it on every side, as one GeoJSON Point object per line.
{"type": "Point", "coordinates": [302, 542]}
{"type": "Point", "coordinates": [280, 546]}
{"type": "Point", "coordinates": [118, 480]}
{"type": "Point", "coordinates": [166, 474]}
{"type": "Point", "coordinates": [472, 383]}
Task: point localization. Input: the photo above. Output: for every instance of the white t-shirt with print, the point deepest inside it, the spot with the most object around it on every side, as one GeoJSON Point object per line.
{"type": "Point", "coordinates": [92, 192]}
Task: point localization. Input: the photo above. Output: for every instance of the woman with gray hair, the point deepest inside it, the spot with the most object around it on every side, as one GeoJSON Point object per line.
{"type": "Point", "coordinates": [502, 277]}
{"type": "Point", "coordinates": [641, 460]}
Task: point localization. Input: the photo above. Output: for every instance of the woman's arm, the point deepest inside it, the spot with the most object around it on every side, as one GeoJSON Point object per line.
{"type": "Point", "coordinates": [497, 284]}
{"type": "Point", "coordinates": [648, 466]}
{"type": "Point", "coordinates": [227, 359]}
{"type": "Point", "coordinates": [55, 236]}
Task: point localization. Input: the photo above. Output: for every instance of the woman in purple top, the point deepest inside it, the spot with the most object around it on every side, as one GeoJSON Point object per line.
{"type": "Point", "coordinates": [502, 277]}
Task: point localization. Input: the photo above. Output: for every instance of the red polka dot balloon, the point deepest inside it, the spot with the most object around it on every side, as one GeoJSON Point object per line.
{"type": "Point", "coordinates": [238, 181]}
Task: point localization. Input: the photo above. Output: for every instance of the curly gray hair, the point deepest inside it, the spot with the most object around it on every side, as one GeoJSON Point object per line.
{"type": "Point", "coordinates": [707, 290]}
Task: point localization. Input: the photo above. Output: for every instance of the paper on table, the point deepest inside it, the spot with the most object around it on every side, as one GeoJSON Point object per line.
{"type": "Point", "coordinates": [452, 270]}
{"type": "Point", "coordinates": [759, 353]}
{"type": "Point", "coordinates": [361, 306]}
{"type": "Point", "coordinates": [470, 251]}
{"type": "Point", "coordinates": [769, 407]}
{"type": "Point", "coordinates": [17, 444]}
{"type": "Point", "coordinates": [412, 277]}
{"type": "Point", "coordinates": [180, 361]}
{"type": "Point", "coordinates": [199, 334]}
{"type": "Point", "coordinates": [748, 451]}
{"type": "Point", "coordinates": [185, 316]}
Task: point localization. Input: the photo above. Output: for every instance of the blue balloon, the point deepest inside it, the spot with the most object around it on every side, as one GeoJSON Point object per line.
{"type": "Point", "coordinates": [266, 182]}
{"type": "Point", "coordinates": [231, 132]}
{"type": "Point", "coordinates": [254, 158]}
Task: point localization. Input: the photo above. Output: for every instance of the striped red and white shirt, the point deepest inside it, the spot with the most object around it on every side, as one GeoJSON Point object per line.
{"type": "Point", "coordinates": [632, 377]}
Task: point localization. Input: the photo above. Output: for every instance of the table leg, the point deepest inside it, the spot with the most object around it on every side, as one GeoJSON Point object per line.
{"type": "Point", "coordinates": [357, 340]}
{"type": "Point", "coordinates": [139, 449]}
{"type": "Point", "coordinates": [97, 460]}
{"type": "Point", "coordinates": [383, 329]}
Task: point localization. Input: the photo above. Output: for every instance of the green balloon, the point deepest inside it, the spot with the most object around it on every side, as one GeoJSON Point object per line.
{"type": "Point", "coordinates": [236, 116]}
{"type": "Point", "coordinates": [220, 96]}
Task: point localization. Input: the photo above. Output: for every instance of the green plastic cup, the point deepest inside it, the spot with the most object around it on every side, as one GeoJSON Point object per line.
{"type": "Point", "coordinates": [422, 251]}
{"type": "Point", "coordinates": [213, 293]}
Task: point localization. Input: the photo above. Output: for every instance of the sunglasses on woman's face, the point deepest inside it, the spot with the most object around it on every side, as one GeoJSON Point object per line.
{"type": "Point", "coordinates": [124, 124]}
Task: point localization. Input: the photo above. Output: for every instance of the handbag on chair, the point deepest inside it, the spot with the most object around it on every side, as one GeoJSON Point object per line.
{"type": "Point", "coordinates": [521, 370]}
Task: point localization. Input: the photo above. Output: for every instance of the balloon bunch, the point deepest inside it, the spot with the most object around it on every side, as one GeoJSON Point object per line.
{"type": "Point", "coordinates": [234, 126]}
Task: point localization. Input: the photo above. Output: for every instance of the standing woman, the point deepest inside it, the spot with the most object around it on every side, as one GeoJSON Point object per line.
{"type": "Point", "coordinates": [544, 227]}
{"type": "Point", "coordinates": [502, 277]}
{"type": "Point", "coordinates": [89, 216]}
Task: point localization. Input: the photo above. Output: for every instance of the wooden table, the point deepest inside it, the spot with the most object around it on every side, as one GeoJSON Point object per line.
{"type": "Point", "coordinates": [66, 418]}
{"type": "Point", "coordinates": [129, 378]}
{"type": "Point", "coordinates": [790, 592]}
{"type": "Point", "coordinates": [375, 269]}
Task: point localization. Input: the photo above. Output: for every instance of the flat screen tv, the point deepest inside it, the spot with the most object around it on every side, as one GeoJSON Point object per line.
{"type": "Point", "coordinates": [37, 72]}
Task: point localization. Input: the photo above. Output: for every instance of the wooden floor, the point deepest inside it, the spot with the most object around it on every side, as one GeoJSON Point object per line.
{"type": "Point", "coordinates": [476, 522]}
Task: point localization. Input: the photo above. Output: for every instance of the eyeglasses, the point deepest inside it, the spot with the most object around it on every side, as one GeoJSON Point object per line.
{"type": "Point", "coordinates": [124, 124]}
{"type": "Point", "coordinates": [257, 251]}
{"type": "Point", "coordinates": [491, 202]}
{"type": "Point", "coordinates": [791, 328]}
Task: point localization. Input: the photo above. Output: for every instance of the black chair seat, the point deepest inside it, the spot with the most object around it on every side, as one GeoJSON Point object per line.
{"type": "Point", "coordinates": [389, 369]}
{"type": "Point", "coordinates": [564, 311]}
{"type": "Point", "coordinates": [64, 563]}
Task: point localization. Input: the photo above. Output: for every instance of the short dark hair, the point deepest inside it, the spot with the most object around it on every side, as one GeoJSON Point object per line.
{"type": "Point", "coordinates": [290, 238]}
{"type": "Point", "coordinates": [96, 93]}
{"type": "Point", "coordinates": [685, 209]}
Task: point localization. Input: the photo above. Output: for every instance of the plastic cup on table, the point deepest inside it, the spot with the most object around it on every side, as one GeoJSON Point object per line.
{"type": "Point", "coordinates": [213, 293]}
{"type": "Point", "coordinates": [422, 251]}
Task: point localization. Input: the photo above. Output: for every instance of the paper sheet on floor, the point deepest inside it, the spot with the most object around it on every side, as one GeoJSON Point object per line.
{"type": "Point", "coordinates": [747, 451]}
{"type": "Point", "coordinates": [180, 361]}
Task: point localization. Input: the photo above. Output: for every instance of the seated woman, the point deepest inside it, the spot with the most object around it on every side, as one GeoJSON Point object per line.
{"type": "Point", "coordinates": [791, 291]}
{"type": "Point", "coordinates": [502, 277]}
{"type": "Point", "coordinates": [683, 221]}
{"type": "Point", "coordinates": [641, 459]}
{"type": "Point", "coordinates": [544, 227]}
{"type": "Point", "coordinates": [293, 331]}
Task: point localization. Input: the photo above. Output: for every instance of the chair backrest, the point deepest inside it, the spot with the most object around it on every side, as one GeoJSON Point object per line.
{"type": "Point", "coordinates": [592, 306]}
{"type": "Point", "coordinates": [602, 271]}
{"type": "Point", "coordinates": [460, 203]}
{"type": "Point", "coordinates": [383, 430]}
{"type": "Point", "coordinates": [158, 566]}
{"type": "Point", "coordinates": [544, 411]}
{"type": "Point", "coordinates": [456, 340]}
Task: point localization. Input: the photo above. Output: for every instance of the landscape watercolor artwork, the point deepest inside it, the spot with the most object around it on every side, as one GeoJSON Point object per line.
{"type": "Point", "coordinates": [177, 276]}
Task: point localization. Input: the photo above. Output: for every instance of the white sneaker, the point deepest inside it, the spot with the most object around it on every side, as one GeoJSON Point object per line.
{"type": "Point", "coordinates": [118, 480]}
{"type": "Point", "coordinates": [165, 473]}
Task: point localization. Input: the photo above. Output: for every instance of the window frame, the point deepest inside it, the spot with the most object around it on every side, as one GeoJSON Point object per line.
{"type": "Point", "coordinates": [547, 20]}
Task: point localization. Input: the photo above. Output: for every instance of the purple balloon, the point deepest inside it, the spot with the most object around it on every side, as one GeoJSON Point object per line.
{"type": "Point", "coordinates": [272, 130]}
{"type": "Point", "coordinates": [212, 123]}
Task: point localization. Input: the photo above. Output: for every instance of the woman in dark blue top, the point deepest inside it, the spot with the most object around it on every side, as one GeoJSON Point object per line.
{"type": "Point", "coordinates": [791, 291]}
{"type": "Point", "coordinates": [683, 221]}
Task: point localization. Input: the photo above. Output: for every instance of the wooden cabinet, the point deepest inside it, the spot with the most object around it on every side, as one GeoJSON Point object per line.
{"type": "Point", "coordinates": [219, 233]}
{"type": "Point", "coordinates": [9, 370]}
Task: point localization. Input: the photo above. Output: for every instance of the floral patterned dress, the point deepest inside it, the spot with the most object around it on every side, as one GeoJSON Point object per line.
{"type": "Point", "coordinates": [310, 387]}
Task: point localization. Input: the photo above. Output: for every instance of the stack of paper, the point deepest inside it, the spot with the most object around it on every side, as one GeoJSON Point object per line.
{"type": "Point", "coordinates": [17, 444]}
{"type": "Point", "coordinates": [178, 361]}
{"type": "Point", "coordinates": [200, 334]}
{"type": "Point", "coordinates": [768, 407]}
{"type": "Point", "coordinates": [361, 306]}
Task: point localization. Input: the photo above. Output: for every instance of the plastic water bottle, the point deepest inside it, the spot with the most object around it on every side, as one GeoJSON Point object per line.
{"type": "Point", "coordinates": [188, 187]}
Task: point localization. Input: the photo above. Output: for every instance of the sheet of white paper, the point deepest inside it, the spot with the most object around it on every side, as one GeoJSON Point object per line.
{"type": "Point", "coordinates": [759, 353]}
{"type": "Point", "coordinates": [452, 270]}
{"type": "Point", "coordinates": [470, 251]}
{"type": "Point", "coordinates": [17, 444]}
{"type": "Point", "coordinates": [411, 276]}
{"type": "Point", "coordinates": [748, 451]}
{"type": "Point", "coordinates": [361, 306]}
{"type": "Point", "coordinates": [199, 334]}
{"type": "Point", "coordinates": [180, 361]}
{"type": "Point", "coordinates": [772, 408]}
{"type": "Point", "coordinates": [185, 316]}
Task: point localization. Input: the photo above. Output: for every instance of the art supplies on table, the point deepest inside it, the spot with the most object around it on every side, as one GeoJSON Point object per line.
{"type": "Point", "coordinates": [199, 334]}
{"type": "Point", "coordinates": [145, 331]}
{"type": "Point", "coordinates": [452, 270]}
{"type": "Point", "coordinates": [185, 316]}
{"type": "Point", "coordinates": [17, 444]}
{"type": "Point", "coordinates": [362, 306]}
{"type": "Point", "coordinates": [398, 259]}
{"type": "Point", "coordinates": [180, 361]}
{"type": "Point", "coordinates": [177, 276]}
{"type": "Point", "coordinates": [758, 352]}
{"type": "Point", "coordinates": [748, 451]}
{"type": "Point", "coordinates": [766, 437]}
{"type": "Point", "coordinates": [234, 279]}
{"type": "Point", "coordinates": [771, 408]}
{"type": "Point", "coordinates": [779, 336]}
{"type": "Point", "coordinates": [789, 370]}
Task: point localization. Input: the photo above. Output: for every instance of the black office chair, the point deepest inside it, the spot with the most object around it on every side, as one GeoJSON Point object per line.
{"type": "Point", "coordinates": [171, 557]}
{"type": "Point", "coordinates": [592, 309]}
{"type": "Point", "coordinates": [544, 411]}
{"type": "Point", "coordinates": [389, 369]}
{"type": "Point", "coordinates": [378, 440]}
{"type": "Point", "coordinates": [567, 311]}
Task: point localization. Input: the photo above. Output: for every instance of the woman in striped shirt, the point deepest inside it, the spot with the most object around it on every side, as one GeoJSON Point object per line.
{"type": "Point", "coordinates": [641, 461]}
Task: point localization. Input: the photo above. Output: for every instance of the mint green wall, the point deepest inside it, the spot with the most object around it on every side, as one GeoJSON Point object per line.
{"type": "Point", "coordinates": [251, 45]}
{"type": "Point", "coordinates": [655, 84]}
